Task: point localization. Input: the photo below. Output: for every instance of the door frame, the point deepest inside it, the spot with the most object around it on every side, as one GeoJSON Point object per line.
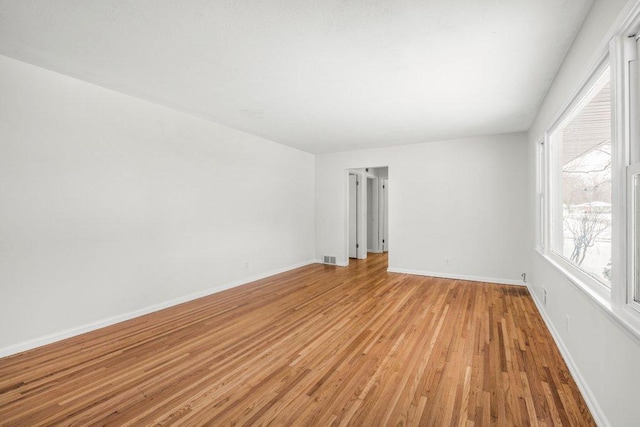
{"type": "Point", "coordinates": [361, 214]}
{"type": "Point", "coordinates": [362, 204]}
{"type": "Point", "coordinates": [353, 216]}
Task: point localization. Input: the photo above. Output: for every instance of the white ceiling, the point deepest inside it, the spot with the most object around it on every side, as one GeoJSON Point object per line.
{"type": "Point", "coordinates": [321, 75]}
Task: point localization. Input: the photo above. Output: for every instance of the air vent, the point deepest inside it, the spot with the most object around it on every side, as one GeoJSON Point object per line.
{"type": "Point", "coordinates": [329, 260]}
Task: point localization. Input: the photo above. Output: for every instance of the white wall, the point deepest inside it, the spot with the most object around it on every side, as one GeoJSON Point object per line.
{"type": "Point", "coordinates": [110, 205]}
{"type": "Point", "coordinates": [603, 356]}
{"type": "Point", "coordinates": [465, 200]}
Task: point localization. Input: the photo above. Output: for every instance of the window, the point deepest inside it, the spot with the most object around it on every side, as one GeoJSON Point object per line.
{"type": "Point", "coordinates": [580, 174]}
{"type": "Point", "coordinates": [588, 187]}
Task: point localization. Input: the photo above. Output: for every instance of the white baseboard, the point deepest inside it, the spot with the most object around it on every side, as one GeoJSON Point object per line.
{"type": "Point", "coordinates": [592, 403]}
{"type": "Point", "coordinates": [457, 276]}
{"type": "Point", "coordinates": [68, 333]}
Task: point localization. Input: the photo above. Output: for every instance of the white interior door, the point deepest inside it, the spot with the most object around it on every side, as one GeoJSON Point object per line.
{"type": "Point", "coordinates": [353, 216]}
{"type": "Point", "coordinates": [385, 215]}
{"type": "Point", "coordinates": [372, 213]}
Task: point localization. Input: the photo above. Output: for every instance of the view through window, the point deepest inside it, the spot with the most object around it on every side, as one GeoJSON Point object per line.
{"type": "Point", "coordinates": [583, 144]}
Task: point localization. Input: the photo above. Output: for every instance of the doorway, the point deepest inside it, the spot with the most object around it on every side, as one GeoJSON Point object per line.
{"type": "Point", "coordinates": [367, 222]}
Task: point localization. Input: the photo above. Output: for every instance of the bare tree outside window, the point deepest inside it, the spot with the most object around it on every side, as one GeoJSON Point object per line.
{"type": "Point", "coordinates": [585, 230]}
{"type": "Point", "coordinates": [586, 186]}
{"type": "Point", "coordinates": [587, 197]}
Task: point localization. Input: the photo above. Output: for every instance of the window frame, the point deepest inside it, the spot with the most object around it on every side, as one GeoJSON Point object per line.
{"type": "Point", "coordinates": [629, 45]}
{"type": "Point", "coordinates": [627, 78]}
{"type": "Point", "coordinates": [553, 195]}
{"type": "Point", "coordinates": [541, 192]}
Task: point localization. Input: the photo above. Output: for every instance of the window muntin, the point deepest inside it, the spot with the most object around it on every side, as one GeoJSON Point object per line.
{"type": "Point", "coordinates": [581, 174]}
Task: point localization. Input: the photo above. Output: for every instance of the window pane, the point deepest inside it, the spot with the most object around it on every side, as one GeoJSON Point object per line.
{"type": "Point", "coordinates": [585, 181]}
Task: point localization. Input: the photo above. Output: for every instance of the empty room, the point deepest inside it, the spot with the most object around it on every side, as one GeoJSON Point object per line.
{"type": "Point", "coordinates": [287, 212]}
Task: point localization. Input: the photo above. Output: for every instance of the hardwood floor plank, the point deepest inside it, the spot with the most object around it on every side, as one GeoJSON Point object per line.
{"type": "Point", "coordinates": [319, 345]}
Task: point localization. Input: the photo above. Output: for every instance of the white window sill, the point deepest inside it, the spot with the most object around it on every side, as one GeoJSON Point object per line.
{"type": "Point", "coordinates": [623, 318]}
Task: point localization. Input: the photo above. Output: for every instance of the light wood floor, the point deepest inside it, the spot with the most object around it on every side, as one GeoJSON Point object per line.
{"type": "Point", "coordinates": [319, 345]}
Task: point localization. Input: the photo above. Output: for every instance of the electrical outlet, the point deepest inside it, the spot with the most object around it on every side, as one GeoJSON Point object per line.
{"type": "Point", "coordinates": [544, 296]}
{"type": "Point", "coordinates": [447, 261]}
{"type": "Point", "coordinates": [246, 265]}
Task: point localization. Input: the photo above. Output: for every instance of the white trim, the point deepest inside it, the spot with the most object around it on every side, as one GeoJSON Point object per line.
{"type": "Point", "coordinates": [633, 297]}
{"type": "Point", "coordinates": [591, 401]}
{"type": "Point", "coordinates": [457, 276]}
{"type": "Point", "coordinates": [361, 214]}
{"type": "Point", "coordinates": [624, 306]}
{"type": "Point", "coordinates": [541, 193]}
{"type": "Point", "coordinates": [68, 333]}
{"type": "Point", "coordinates": [620, 67]}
